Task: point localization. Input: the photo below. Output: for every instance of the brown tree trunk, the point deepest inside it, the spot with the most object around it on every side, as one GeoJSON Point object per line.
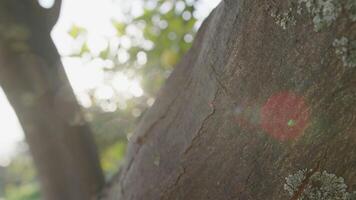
{"type": "Point", "coordinates": [36, 85]}
{"type": "Point", "coordinates": [263, 93]}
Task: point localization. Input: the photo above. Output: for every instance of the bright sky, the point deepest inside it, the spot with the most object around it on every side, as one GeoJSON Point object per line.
{"type": "Point", "coordinates": [11, 132]}
{"type": "Point", "coordinates": [95, 16]}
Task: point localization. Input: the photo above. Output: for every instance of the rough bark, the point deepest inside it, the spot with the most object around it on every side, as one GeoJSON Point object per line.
{"type": "Point", "coordinates": [33, 78]}
{"type": "Point", "coordinates": [204, 139]}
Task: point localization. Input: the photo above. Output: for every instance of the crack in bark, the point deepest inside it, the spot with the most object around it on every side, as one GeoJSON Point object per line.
{"type": "Point", "coordinates": [297, 194]}
{"type": "Point", "coordinates": [220, 82]}
{"type": "Point", "coordinates": [248, 177]}
{"type": "Point", "coordinates": [198, 133]}
{"type": "Point", "coordinates": [140, 139]}
{"type": "Point", "coordinates": [179, 177]}
{"type": "Point", "coordinates": [255, 165]}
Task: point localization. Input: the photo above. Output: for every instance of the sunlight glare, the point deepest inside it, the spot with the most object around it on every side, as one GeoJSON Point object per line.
{"type": "Point", "coordinates": [46, 3]}
{"type": "Point", "coordinates": [124, 85]}
{"type": "Point", "coordinates": [11, 132]}
{"type": "Point", "coordinates": [84, 75]}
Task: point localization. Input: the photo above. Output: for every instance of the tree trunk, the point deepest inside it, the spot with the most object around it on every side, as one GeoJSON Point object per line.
{"type": "Point", "coordinates": [267, 90]}
{"type": "Point", "coordinates": [36, 85]}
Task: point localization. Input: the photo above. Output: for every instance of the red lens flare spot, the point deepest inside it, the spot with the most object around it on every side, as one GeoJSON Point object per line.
{"type": "Point", "coordinates": [284, 116]}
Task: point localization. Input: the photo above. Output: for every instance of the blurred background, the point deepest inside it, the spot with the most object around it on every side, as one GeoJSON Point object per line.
{"type": "Point", "coordinates": [117, 54]}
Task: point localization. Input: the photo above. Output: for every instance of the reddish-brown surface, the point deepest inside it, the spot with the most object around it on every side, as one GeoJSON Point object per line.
{"type": "Point", "coordinates": [250, 104]}
{"type": "Point", "coordinates": [285, 115]}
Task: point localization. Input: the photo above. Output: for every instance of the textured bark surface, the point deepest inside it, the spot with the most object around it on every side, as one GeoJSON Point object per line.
{"type": "Point", "coordinates": [194, 144]}
{"type": "Point", "coordinates": [33, 78]}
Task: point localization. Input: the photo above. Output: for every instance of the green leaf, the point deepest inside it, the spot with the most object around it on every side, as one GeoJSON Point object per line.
{"type": "Point", "coordinates": [120, 27]}
{"type": "Point", "coordinates": [75, 31]}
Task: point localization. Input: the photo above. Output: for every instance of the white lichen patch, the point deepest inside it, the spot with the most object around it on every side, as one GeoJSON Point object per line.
{"type": "Point", "coordinates": [346, 51]}
{"type": "Point", "coordinates": [319, 186]}
{"type": "Point", "coordinates": [351, 9]}
{"type": "Point", "coordinates": [352, 196]}
{"type": "Point", "coordinates": [284, 19]}
{"type": "Point", "coordinates": [324, 12]}
{"type": "Point", "coordinates": [294, 181]}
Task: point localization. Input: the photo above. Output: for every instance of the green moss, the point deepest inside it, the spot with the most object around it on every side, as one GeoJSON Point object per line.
{"type": "Point", "coordinates": [346, 51]}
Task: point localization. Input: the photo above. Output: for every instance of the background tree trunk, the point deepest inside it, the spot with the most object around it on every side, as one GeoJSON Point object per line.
{"type": "Point", "coordinates": [214, 132]}
{"type": "Point", "coordinates": [36, 85]}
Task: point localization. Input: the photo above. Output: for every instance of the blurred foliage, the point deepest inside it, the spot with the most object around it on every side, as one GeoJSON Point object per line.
{"type": "Point", "coordinates": [76, 31]}
{"type": "Point", "coordinates": [23, 192]}
{"type": "Point", "coordinates": [20, 178]}
{"type": "Point", "coordinates": [113, 153]}
{"type": "Point", "coordinates": [146, 47]}
{"type": "Point", "coordinates": [163, 33]}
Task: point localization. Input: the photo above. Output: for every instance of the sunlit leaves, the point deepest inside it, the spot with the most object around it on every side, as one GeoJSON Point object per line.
{"type": "Point", "coordinates": [120, 27]}
{"type": "Point", "coordinates": [144, 49]}
{"type": "Point", "coordinates": [169, 58]}
{"type": "Point", "coordinates": [84, 49]}
{"type": "Point", "coordinates": [75, 31]}
{"type": "Point", "coordinates": [21, 179]}
{"type": "Point", "coordinates": [112, 157]}
{"type": "Point", "coordinates": [105, 54]}
{"type": "Point", "coordinates": [150, 43]}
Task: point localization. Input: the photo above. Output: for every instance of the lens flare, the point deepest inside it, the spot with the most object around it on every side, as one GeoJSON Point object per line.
{"type": "Point", "coordinates": [284, 116]}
